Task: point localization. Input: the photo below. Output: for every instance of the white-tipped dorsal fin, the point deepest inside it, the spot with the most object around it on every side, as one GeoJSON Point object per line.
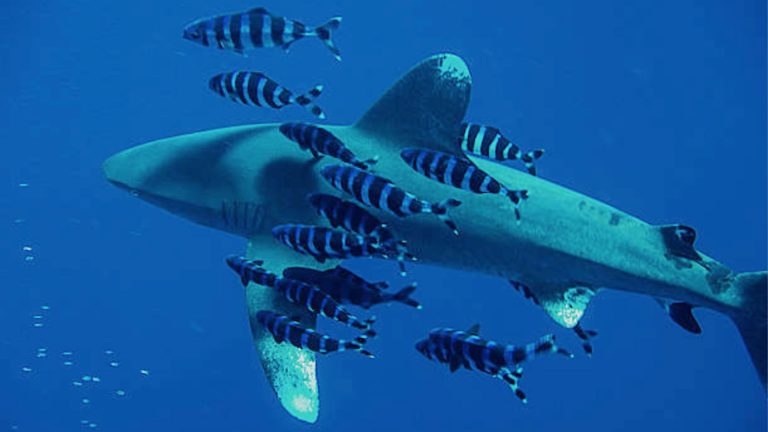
{"type": "Point", "coordinates": [425, 108]}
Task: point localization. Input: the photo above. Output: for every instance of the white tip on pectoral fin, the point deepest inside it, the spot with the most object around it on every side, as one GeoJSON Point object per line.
{"type": "Point", "coordinates": [566, 305]}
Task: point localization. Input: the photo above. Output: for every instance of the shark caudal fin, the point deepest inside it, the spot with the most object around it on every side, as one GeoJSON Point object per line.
{"type": "Point", "coordinates": [751, 318]}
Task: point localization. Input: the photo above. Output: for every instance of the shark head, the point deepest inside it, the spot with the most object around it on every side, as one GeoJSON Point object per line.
{"type": "Point", "coordinates": [245, 180]}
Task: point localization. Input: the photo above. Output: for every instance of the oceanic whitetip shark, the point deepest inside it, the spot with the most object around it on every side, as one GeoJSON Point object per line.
{"type": "Point", "coordinates": [245, 180]}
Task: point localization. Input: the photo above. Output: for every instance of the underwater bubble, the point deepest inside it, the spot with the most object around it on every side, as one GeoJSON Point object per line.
{"type": "Point", "coordinates": [120, 392]}
{"type": "Point", "coordinates": [26, 248]}
{"type": "Point", "coordinates": [109, 352]}
{"type": "Point", "coordinates": [86, 401]}
{"type": "Point", "coordinates": [144, 372]}
{"type": "Point", "coordinates": [77, 383]}
{"type": "Point", "coordinates": [67, 353]}
{"type": "Point", "coordinates": [42, 354]}
{"type": "Point", "coordinates": [86, 378]}
{"type": "Point", "coordinates": [68, 363]}
{"type": "Point", "coordinates": [96, 379]}
{"type": "Point", "coordinates": [45, 307]}
{"type": "Point", "coordinates": [23, 185]}
{"type": "Point", "coordinates": [37, 325]}
{"type": "Point", "coordinates": [29, 258]}
{"type": "Point", "coordinates": [37, 317]}
{"type": "Point", "coordinates": [42, 349]}
{"type": "Point", "coordinates": [114, 364]}
{"type": "Point", "coordinates": [26, 369]}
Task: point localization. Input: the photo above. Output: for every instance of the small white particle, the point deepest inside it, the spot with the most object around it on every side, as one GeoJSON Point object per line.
{"type": "Point", "coordinates": [84, 422]}
{"type": "Point", "coordinates": [67, 353]}
{"type": "Point", "coordinates": [120, 392]}
{"type": "Point", "coordinates": [37, 317]}
{"type": "Point", "coordinates": [18, 221]}
{"type": "Point", "coordinates": [37, 325]}
{"type": "Point", "coordinates": [42, 349]}
{"type": "Point", "coordinates": [86, 401]}
{"type": "Point", "coordinates": [45, 307]}
{"type": "Point", "coordinates": [77, 383]}
{"type": "Point", "coordinates": [96, 379]}
{"type": "Point", "coordinates": [27, 248]}
{"type": "Point", "coordinates": [92, 425]}
{"type": "Point", "coordinates": [114, 364]}
{"type": "Point", "coordinates": [23, 185]}
{"type": "Point", "coordinates": [109, 352]}
{"type": "Point", "coordinates": [86, 378]}
{"type": "Point", "coordinates": [144, 372]}
{"type": "Point", "coordinates": [68, 363]}
{"type": "Point", "coordinates": [26, 369]}
{"type": "Point", "coordinates": [29, 258]}
{"type": "Point", "coordinates": [42, 354]}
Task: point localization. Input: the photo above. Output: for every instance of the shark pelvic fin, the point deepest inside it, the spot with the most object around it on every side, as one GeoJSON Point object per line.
{"type": "Point", "coordinates": [682, 314]}
{"type": "Point", "coordinates": [424, 108]}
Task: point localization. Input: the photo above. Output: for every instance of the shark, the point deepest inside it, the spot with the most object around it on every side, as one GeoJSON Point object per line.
{"type": "Point", "coordinates": [244, 180]}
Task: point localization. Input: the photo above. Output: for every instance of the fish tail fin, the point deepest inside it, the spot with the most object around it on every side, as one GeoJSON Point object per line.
{"type": "Point", "coordinates": [546, 344]}
{"type": "Point", "coordinates": [365, 165]}
{"type": "Point", "coordinates": [517, 197]}
{"type": "Point", "coordinates": [398, 248]}
{"type": "Point", "coordinates": [307, 100]}
{"type": "Point", "coordinates": [404, 296]}
{"type": "Point", "coordinates": [751, 317]}
{"type": "Point", "coordinates": [585, 335]}
{"type": "Point", "coordinates": [358, 343]}
{"type": "Point", "coordinates": [441, 210]}
{"type": "Point", "coordinates": [530, 158]}
{"type": "Point", "coordinates": [325, 33]}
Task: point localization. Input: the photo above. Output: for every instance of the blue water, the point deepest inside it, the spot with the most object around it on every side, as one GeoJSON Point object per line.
{"type": "Point", "coordinates": [657, 108]}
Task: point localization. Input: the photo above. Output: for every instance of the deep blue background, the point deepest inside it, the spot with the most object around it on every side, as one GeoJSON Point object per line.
{"type": "Point", "coordinates": [655, 107]}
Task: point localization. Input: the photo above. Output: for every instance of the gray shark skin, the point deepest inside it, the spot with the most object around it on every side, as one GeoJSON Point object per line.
{"type": "Point", "coordinates": [245, 180]}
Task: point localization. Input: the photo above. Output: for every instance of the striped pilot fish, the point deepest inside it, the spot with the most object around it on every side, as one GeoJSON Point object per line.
{"type": "Point", "coordinates": [459, 173]}
{"type": "Point", "coordinates": [321, 142]}
{"type": "Point", "coordinates": [297, 292]}
{"type": "Point", "coordinates": [285, 329]}
{"type": "Point", "coordinates": [324, 243]}
{"type": "Point", "coordinates": [349, 288]}
{"type": "Point", "coordinates": [257, 28]}
{"type": "Point", "coordinates": [353, 218]}
{"type": "Point", "coordinates": [466, 349]}
{"type": "Point", "coordinates": [489, 142]}
{"type": "Point", "coordinates": [255, 88]}
{"type": "Point", "coordinates": [382, 194]}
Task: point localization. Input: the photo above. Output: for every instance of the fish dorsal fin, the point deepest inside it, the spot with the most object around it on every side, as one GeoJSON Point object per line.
{"type": "Point", "coordinates": [474, 329]}
{"type": "Point", "coordinates": [259, 11]}
{"type": "Point", "coordinates": [679, 240]}
{"type": "Point", "coordinates": [424, 108]}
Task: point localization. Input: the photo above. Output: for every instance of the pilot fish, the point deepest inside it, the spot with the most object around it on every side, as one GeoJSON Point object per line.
{"type": "Point", "coordinates": [489, 142]}
{"type": "Point", "coordinates": [297, 292]}
{"type": "Point", "coordinates": [353, 218]}
{"type": "Point", "coordinates": [255, 88]}
{"type": "Point", "coordinates": [323, 243]}
{"type": "Point", "coordinates": [465, 348]}
{"type": "Point", "coordinates": [459, 173]}
{"type": "Point", "coordinates": [348, 288]}
{"type": "Point", "coordinates": [321, 142]}
{"type": "Point", "coordinates": [381, 193]}
{"type": "Point", "coordinates": [257, 28]}
{"type": "Point", "coordinates": [284, 328]}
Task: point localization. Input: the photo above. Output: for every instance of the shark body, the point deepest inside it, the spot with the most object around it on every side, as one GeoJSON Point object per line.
{"type": "Point", "coordinates": [245, 180]}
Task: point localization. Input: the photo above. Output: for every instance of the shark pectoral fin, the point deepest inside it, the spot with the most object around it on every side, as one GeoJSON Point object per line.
{"type": "Point", "coordinates": [289, 370]}
{"type": "Point", "coordinates": [566, 305]}
{"type": "Point", "coordinates": [682, 314]}
{"type": "Point", "coordinates": [406, 116]}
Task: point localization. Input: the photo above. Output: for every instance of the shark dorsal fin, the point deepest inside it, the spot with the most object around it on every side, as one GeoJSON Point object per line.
{"type": "Point", "coordinates": [425, 107]}
{"type": "Point", "coordinates": [679, 240]}
{"type": "Point", "coordinates": [474, 329]}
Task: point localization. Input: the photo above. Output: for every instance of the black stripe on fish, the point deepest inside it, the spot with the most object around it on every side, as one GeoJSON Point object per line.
{"type": "Point", "coordinates": [320, 141]}
{"type": "Point", "coordinates": [488, 142]}
{"type": "Point", "coordinates": [333, 243]}
{"type": "Point", "coordinates": [381, 193]}
{"type": "Point", "coordinates": [459, 173]}
{"type": "Point", "coordinates": [284, 329]}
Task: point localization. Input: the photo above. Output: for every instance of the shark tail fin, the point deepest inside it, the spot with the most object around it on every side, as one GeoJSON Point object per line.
{"type": "Point", "coordinates": [325, 33]}
{"type": "Point", "coordinates": [751, 319]}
